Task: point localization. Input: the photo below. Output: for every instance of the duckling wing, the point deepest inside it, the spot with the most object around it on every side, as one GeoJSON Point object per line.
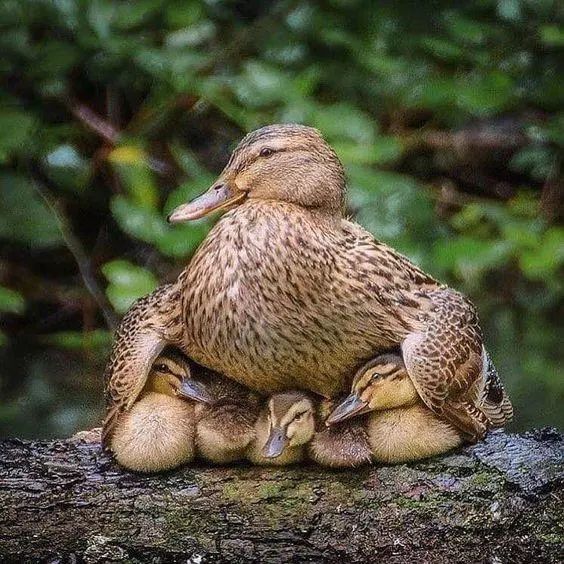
{"type": "Point", "coordinates": [445, 361]}
{"type": "Point", "coordinates": [138, 341]}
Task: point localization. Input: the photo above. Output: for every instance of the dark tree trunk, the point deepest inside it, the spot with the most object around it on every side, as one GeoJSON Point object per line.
{"type": "Point", "coordinates": [499, 501]}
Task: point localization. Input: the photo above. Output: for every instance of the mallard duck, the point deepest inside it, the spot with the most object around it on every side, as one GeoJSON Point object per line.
{"type": "Point", "coordinates": [283, 429]}
{"type": "Point", "coordinates": [157, 432]}
{"type": "Point", "coordinates": [286, 293]}
{"type": "Point", "coordinates": [400, 426]}
{"type": "Point", "coordinates": [225, 425]}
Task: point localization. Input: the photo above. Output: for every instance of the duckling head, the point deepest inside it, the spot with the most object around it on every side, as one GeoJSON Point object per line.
{"type": "Point", "coordinates": [168, 371]}
{"type": "Point", "coordinates": [171, 375]}
{"type": "Point", "coordinates": [285, 162]}
{"type": "Point", "coordinates": [291, 422]}
{"type": "Point", "coordinates": [383, 383]}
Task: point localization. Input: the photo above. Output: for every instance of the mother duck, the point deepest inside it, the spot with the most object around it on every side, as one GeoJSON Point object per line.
{"type": "Point", "coordinates": [286, 293]}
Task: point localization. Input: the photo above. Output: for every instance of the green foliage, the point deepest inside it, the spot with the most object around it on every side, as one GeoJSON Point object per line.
{"type": "Point", "coordinates": [131, 108]}
{"type": "Point", "coordinates": [127, 282]}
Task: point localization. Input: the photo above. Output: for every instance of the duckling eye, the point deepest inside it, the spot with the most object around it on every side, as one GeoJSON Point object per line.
{"type": "Point", "coordinates": [266, 152]}
{"type": "Point", "coordinates": [300, 416]}
{"type": "Point", "coordinates": [163, 368]}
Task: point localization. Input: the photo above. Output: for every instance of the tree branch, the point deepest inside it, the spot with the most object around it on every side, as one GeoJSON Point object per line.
{"type": "Point", "coordinates": [499, 501]}
{"type": "Point", "coordinates": [41, 183]}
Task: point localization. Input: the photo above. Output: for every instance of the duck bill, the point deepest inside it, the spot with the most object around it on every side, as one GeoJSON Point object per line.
{"type": "Point", "coordinates": [192, 390]}
{"type": "Point", "coordinates": [275, 444]}
{"type": "Point", "coordinates": [220, 196]}
{"type": "Point", "coordinates": [350, 407]}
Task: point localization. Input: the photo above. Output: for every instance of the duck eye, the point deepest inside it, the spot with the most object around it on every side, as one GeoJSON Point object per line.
{"type": "Point", "coordinates": [266, 152]}
{"type": "Point", "coordinates": [163, 368]}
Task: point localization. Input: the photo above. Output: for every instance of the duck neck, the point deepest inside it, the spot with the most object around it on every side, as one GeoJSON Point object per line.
{"type": "Point", "coordinates": [323, 219]}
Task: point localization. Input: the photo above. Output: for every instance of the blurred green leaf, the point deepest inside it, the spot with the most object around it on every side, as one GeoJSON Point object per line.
{"type": "Point", "coordinates": [11, 301]}
{"type": "Point", "coordinates": [552, 35]}
{"type": "Point", "coordinates": [16, 128]}
{"type": "Point", "coordinates": [23, 216]}
{"type": "Point", "coordinates": [138, 221]}
{"type": "Point", "coordinates": [97, 339]}
{"type": "Point", "coordinates": [127, 282]}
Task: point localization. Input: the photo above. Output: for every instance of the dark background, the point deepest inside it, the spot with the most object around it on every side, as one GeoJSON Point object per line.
{"type": "Point", "coordinates": [448, 116]}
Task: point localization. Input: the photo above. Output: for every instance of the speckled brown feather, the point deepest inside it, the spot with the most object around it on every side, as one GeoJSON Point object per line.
{"type": "Point", "coordinates": [494, 401]}
{"type": "Point", "coordinates": [445, 361]}
{"type": "Point", "coordinates": [147, 327]}
{"type": "Point", "coordinates": [286, 294]}
{"type": "Point", "coordinates": [294, 302]}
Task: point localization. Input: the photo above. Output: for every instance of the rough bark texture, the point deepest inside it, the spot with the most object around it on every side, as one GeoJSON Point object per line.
{"type": "Point", "coordinates": [499, 501]}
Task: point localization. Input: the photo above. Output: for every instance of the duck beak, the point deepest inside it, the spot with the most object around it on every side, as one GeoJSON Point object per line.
{"type": "Point", "coordinates": [193, 390]}
{"type": "Point", "coordinates": [348, 408]}
{"type": "Point", "coordinates": [275, 444]}
{"type": "Point", "coordinates": [220, 196]}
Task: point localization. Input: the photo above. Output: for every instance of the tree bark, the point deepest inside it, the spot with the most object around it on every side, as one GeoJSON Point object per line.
{"type": "Point", "coordinates": [498, 501]}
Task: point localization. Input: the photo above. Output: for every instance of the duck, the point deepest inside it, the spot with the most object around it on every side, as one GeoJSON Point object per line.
{"type": "Point", "coordinates": [345, 445]}
{"type": "Point", "coordinates": [283, 429]}
{"type": "Point", "coordinates": [225, 413]}
{"type": "Point", "coordinates": [157, 433]}
{"type": "Point", "coordinates": [400, 427]}
{"type": "Point", "coordinates": [290, 430]}
{"type": "Point", "coordinates": [287, 293]}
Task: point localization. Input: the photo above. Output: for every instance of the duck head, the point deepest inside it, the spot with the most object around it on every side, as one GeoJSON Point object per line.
{"type": "Point", "coordinates": [291, 422]}
{"type": "Point", "coordinates": [286, 163]}
{"type": "Point", "coordinates": [380, 384]}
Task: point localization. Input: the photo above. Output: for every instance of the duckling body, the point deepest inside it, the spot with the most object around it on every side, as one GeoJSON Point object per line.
{"type": "Point", "coordinates": [409, 433]}
{"type": "Point", "coordinates": [226, 426]}
{"type": "Point", "coordinates": [400, 427]}
{"type": "Point", "coordinates": [285, 293]}
{"type": "Point", "coordinates": [157, 433]}
{"type": "Point", "coordinates": [340, 446]}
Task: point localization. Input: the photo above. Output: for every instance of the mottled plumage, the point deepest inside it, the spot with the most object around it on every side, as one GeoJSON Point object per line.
{"type": "Point", "coordinates": [285, 293]}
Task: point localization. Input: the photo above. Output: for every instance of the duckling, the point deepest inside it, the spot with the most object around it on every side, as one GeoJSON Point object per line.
{"type": "Point", "coordinates": [225, 425]}
{"type": "Point", "coordinates": [401, 427]}
{"type": "Point", "coordinates": [290, 430]}
{"type": "Point", "coordinates": [344, 445]}
{"type": "Point", "coordinates": [382, 383]}
{"type": "Point", "coordinates": [157, 432]}
{"type": "Point", "coordinates": [283, 429]}
{"type": "Point", "coordinates": [410, 433]}
{"type": "Point", "coordinates": [286, 293]}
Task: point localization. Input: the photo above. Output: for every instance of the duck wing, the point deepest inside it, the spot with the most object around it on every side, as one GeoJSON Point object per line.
{"type": "Point", "coordinates": [445, 360]}
{"type": "Point", "coordinates": [494, 401]}
{"type": "Point", "coordinates": [139, 339]}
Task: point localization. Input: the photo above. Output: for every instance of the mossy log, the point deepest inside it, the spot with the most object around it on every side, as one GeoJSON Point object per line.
{"type": "Point", "coordinates": [498, 501]}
